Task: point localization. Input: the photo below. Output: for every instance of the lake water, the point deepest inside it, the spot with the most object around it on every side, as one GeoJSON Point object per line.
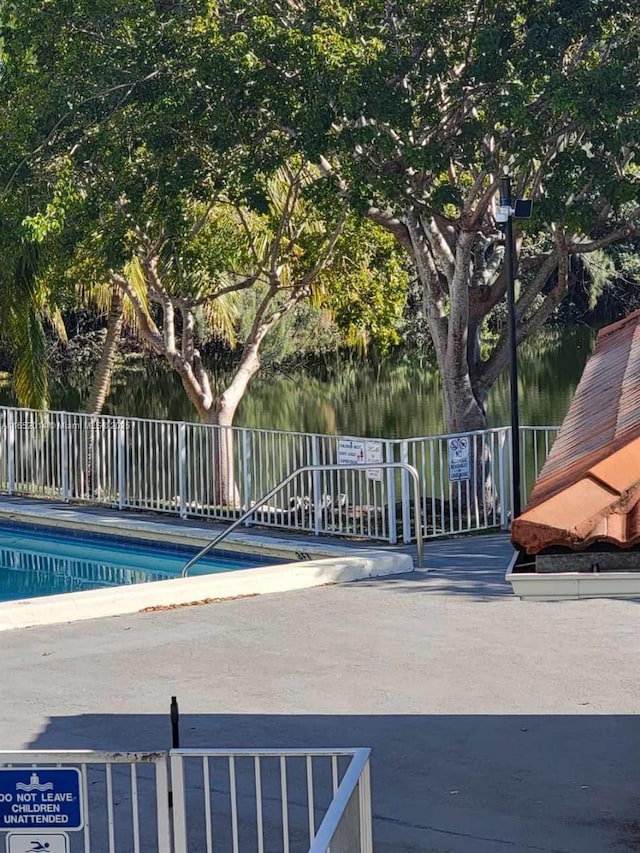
{"type": "Point", "coordinates": [394, 399]}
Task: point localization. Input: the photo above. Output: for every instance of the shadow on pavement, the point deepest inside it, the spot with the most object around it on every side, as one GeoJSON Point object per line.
{"type": "Point", "coordinates": [473, 567]}
{"type": "Point", "coordinates": [461, 784]}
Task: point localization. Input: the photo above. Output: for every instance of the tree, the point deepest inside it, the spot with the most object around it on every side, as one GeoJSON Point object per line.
{"type": "Point", "coordinates": [415, 108]}
{"type": "Point", "coordinates": [281, 253]}
{"type": "Point", "coordinates": [154, 161]}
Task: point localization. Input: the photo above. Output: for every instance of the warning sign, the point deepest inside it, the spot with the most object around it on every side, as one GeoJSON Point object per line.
{"type": "Point", "coordinates": [459, 458]}
{"type": "Point", "coordinates": [355, 451]}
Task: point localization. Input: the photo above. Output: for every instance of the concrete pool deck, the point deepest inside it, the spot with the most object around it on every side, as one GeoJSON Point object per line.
{"type": "Point", "coordinates": [496, 725]}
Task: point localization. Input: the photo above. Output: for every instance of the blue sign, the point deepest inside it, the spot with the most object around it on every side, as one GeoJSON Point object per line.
{"type": "Point", "coordinates": [40, 798]}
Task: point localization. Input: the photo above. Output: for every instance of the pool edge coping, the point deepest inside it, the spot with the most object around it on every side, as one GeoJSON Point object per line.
{"type": "Point", "coordinates": [126, 526]}
{"type": "Point", "coordinates": [330, 565]}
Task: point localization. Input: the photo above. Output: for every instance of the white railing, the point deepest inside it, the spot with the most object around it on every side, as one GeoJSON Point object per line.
{"type": "Point", "coordinates": [199, 470]}
{"type": "Point", "coordinates": [124, 799]}
{"type": "Point", "coordinates": [190, 801]}
{"type": "Point", "coordinates": [292, 800]}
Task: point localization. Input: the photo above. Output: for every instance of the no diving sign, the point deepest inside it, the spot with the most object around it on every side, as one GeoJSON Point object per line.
{"type": "Point", "coordinates": [40, 799]}
{"type": "Point", "coordinates": [459, 461]}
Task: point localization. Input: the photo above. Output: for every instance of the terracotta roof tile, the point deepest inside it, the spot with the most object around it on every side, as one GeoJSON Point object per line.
{"type": "Point", "coordinates": [589, 487]}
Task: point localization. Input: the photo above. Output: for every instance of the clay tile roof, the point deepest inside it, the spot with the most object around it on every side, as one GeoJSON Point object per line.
{"type": "Point", "coordinates": [589, 488]}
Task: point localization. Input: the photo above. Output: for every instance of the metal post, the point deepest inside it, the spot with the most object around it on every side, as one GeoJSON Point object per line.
{"type": "Point", "coordinates": [366, 818]}
{"type": "Point", "coordinates": [175, 723]}
{"type": "Point", "coordinates": [392, 533]}
{"type": "Point", "coordinates": [63, 438]}
{"type": "Point", "coordinates": [505, 199]}
{"type": "Point", "coordinates": [182, 469]}
{"type": "Point", "coordinates": [502, 461]}
{"type": "Point", "coordinates": [11, 452]}
{"type": "Point", "coordinates": [246, 472]}
{"type": "Point", "coordinates": [406, 499]}
{"type": "Point", "coordinates": [122, 476]}
{"type": "Point", "coordinates": [178, 802]}
{"type": "Point", "coordinates": [316, 486]}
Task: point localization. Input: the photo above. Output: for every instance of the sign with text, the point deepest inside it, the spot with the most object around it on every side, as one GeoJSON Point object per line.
{"type": "Point", "coordinates": [459, 458]}
{"type": "Point", "coordinates": [374, 452]}
{"type": "Point", "coordinates": [350, 451]}
{"type": "Point", "coordinates": [26, 842]}
{"type": "Point", "coordinates": [353, 451]}
{"type": "Point", "coordinates": [40, 797]}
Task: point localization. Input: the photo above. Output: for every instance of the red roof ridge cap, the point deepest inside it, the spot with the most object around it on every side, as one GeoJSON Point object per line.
{"type": "Point", "coordinates": [612, 328]}
{"type": "Point", "coordinates": [603, 484]}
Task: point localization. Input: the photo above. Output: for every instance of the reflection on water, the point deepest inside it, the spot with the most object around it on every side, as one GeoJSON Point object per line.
{"type": "Point", "coordinates": [36, 563]}
{"type": "Point", "coordinates": [393, 399]}
{"type": "Point", "coordinates": [26, 573]}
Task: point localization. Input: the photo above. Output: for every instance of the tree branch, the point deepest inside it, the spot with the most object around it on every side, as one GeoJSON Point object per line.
{"type": "Point", "coordinates": [395, 226]}
{"type": "Point", "coordinates": [628, 230]}
{"type": "Point", "coordinates": [428, 276]}
{"type": "Point", "coordinates": [146, 326]}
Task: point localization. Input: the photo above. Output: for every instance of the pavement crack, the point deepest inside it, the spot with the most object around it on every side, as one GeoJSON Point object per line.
{"type": "Point", "coordinates": [397, 822]}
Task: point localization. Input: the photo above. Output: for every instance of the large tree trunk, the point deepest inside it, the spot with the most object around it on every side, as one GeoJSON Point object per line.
{"type": "Point", "coordinates": [221, 416]}
{"type": "Point", "coordinates": [463, 411]}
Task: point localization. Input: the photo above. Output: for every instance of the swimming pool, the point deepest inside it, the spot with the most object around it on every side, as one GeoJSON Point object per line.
{"type": "Point", "coordinates": [39, 561]}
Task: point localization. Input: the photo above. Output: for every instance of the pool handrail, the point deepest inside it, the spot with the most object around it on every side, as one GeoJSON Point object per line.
{"type": "Point", "coordinates": [404, 466]}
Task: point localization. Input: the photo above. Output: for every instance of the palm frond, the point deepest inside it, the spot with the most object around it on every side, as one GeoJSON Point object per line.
{"type": "Point", "coordinates": [53, 316]}
{"type": "Point", "coordinates": [601, 271]}
{"type": "Point", "coordinates": [30, 380]}
{"type": "Point", "coordinates": [24, 329]}
{"type": "Point", "coordinates": [221, 315]}
{"type": "Point", "coordinates": [138, 281]}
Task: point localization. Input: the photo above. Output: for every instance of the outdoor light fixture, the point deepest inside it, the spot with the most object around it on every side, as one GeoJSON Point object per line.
{"type": "Point", "coordinates": [505, 215]}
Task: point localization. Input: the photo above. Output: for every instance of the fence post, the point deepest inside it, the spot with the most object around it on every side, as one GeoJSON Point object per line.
{"type": "Point", "coordinates": [163, 816]}
{"type": "Point", "coordinates": [182, 468]}
{"type": "Point", "coordinates": [524, 486]}
{"type": "Point", "coordinates": [179, 804]}
{"type": "Point", "coordinates": [11, 452]}
{"type": "Point", "coordinates": [391, 491]}
{"type": "Point", "coordinates": [246, 473]}
{"type": "Point", "coordinates": [316, 487]}
{"type": "Point", "coordinates": [366, 818]}
{"type": "Point", "coordinates": [406, 498]}
{"type": "Point", "coordinates": [122, 445]}
{"type": "Point", "coordinates": [502, 462]}
{"type": "Point", "coordinates": [64, 454]}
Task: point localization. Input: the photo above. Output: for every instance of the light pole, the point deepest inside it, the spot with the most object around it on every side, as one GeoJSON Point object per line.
{"type": "Point", "coordinates": [505, 218]}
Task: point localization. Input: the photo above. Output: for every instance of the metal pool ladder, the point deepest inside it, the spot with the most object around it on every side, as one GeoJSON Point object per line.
{"type": "Point", "coordinates": [404, 466]}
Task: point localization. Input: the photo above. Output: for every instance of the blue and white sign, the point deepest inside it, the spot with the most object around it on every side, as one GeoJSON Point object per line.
{"type": "Point", "coordinates": [459, 461]}
{"type": "Point", "coordinates": [40, 798]}
{"type": "Point", "coordinates": [41, 842]}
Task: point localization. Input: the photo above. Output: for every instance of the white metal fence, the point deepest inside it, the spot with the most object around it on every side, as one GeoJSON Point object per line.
{"type": "Point", "coordinates": [199, 470]}
{"type": "Point", "coordinates": [282, 800]}
{"type": "Point", "coordinates": [124, 800]}
{"type": "Point", "coordinates": [192, 801]}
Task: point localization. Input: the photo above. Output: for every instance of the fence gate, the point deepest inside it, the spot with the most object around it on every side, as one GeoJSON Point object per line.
{"type": "Point", "coordinates": [286, 801]}
{"type": "Point", "coordinates": [84, 802]}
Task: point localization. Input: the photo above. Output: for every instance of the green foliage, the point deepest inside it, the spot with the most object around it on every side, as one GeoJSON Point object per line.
{"type": "Point", "coordinates": [365, 288]}
{"type": "Point", "coordinates": [22, 298]}
{"type": "Point", "coordinates": [364, 83]}
{"type": "Point", "coordinates": [134, 116]}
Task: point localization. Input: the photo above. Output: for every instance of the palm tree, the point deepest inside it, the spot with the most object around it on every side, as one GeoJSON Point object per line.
{"type": "Point", "coordinates": [27, 304]}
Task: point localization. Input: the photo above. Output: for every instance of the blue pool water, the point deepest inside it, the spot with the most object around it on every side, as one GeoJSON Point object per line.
{"type": "Point", "coordinates": [37, 561]}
